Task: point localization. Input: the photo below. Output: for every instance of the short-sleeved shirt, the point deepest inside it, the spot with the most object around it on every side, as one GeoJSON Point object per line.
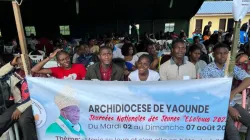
{"type": "Point", "coordinates": [200, 65]}
{"type": "Point", "coordinates": [77, 72]}
{"type": "Point", "coordinates": [171, 71]}
{"type": "Point", "coordinates": [152, 76]}
{"type": "Point", "coordinates": [212, 71]}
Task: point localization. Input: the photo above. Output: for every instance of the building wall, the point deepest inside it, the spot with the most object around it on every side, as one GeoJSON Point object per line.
{"type": "Point", "coordinates": [215, 21]}
{"type": "Point", "coordinates": [79, 28]}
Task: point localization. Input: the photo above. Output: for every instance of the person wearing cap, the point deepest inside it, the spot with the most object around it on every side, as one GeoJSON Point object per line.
{"type": "Point", "coordinates": [67, 124]}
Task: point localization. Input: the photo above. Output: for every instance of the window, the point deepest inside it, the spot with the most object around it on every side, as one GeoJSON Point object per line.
{"type": "Point", "coordinates": [198, 24]}
{"type": "Point", "coordinates": [169, 27]}
{"type": "Point", "coordinates": [30, 30]}
{"type": "Point", "coordinates": [64, 30]}
{"type": "Point", "coordinates": [137, 28]}
{"type": "Point", "coordinates": [230, 24]}
{"type": "Point", "coordinates": [0, 33]}
{"type": "Point", "coordinates": [222, 25]}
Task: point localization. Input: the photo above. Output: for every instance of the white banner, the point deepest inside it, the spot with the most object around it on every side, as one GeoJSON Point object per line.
{"type": "Point", "coordinates": [98, 110]}
{"type": "Point", "coordinates": [240, 8]}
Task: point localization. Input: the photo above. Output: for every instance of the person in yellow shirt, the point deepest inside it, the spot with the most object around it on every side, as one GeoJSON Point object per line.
{"type": "Point", "coordinates": [93, 48]}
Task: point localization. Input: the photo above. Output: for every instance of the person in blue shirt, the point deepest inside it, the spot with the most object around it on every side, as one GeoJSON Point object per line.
{"type": "Point", "coordinates": [216, 69]}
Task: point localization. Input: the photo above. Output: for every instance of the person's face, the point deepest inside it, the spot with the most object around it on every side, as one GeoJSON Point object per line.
{"type": "Point", "coordinates": [210, 24]}
{"type": "Point", "coordinates": [197, 40]}
{"type": "Point", "coordinates": [64, 60]}
{"type": "Point", "coordinates": [72, 113]}
{"type": "Point", "coordinates": [20, 63]}
{"type": "Point", "coordinates": [151, 50]}
{"type": "Point", "coordinates": [105, 56]}
{"type": "Point", "coordinates": [195, 55]}
{"type": "Point", "coordinates": [111, 45]}
{"type": "Point", "coordinates": [131, 51]}
{"type": "Point", "coordinates": [65, 42]}
{"type": "Point", "coordinates": [81, 50]}
{"type": "Point", "coordinates": [220, 55]}
{"type": "Point", "coordinates": [86, 50]}
{"type": "Point", "coordinates": [92, 42]}
{"type": "Point", "coordinates": [143, 65]}
{"type": "Point", "coordinates": [243, 59]}
{"type": "Point", "coordinates": [197, 30]}
{"type": "Point", "coordinates": [179, 50]}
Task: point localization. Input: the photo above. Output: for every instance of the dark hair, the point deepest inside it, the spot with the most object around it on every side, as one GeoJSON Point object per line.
{"type": "Point", "coordinates": [209, 22]}
{"type": "Point", "coordinates": [219, 45]}
{"type": "Point", "coordinates": [103, 48]}
{"type": "Point", "coordinates": [91, 38]}
{"type": "Point", "coordinates": [196, 37]}
{"type": "Point", "coordinates": [60, 53]}
{"type": "Point", "coordinates": [147, 57]}
{"type": "Point", "coordinates": [177, 41]}
{"type": "Point", "coordinates": [107, 41]}
{"type": "Point", "coordinates": [127, 38]}
{"type": "Point", "coordinates": [182, 34]}
{"type": "Point", "coordinates": [228, 35]}
{"type": "Point", "coordinates": [149, 43]}
{"type": "Point", "coordinates": [194, 48]}
{"type": "Point", "coordinates": [240, 54]}
{"type": "Point", "coordinates": [214, 39]}
{"type": "Point", "coordinates": [125, 49]}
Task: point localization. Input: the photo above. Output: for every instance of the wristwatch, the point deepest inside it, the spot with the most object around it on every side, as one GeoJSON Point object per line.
{"type": "Point", "coordinates": [232, 103]}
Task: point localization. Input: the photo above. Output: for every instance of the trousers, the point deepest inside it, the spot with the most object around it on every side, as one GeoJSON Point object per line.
{"type": "Point", "coordinates": [26, 123]}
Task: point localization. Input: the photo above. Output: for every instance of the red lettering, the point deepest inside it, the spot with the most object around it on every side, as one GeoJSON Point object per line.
{"type": "Point", "coordinates": [101, 118]}
{"type": "Point", "coordinates": [196, 119]}
{"type": "Point", "coordinates": [219, 119]}
{"type": "Point", "coordinates": [170, 118]}
{"type": "Point", "coordinates": [128, 118]}
{"type": "Point", "coordinates": [153, 118]}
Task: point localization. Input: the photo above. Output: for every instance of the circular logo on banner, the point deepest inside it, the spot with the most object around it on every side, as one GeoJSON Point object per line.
{"type": "Point", "coordinates": [39, 113]}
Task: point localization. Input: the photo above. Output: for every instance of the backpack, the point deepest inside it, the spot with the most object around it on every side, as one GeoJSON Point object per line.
{"type": "Point", "coordinates": [5, 95]}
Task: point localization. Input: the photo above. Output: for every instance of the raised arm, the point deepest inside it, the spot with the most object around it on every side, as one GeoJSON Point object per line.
{"type": "Point", "coordinates": [8, 67]}
{"type": "Point", "coordinates": [38, 68]}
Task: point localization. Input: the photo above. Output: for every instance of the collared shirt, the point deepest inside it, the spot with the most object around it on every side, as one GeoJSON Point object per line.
{"type": "Point", "coordinates": [212, 71]}
{"type": "Point", "coordinates": [106, 74]}
{"type": "Point", "coordinates": [171, 71]}
{"type": "Point", "coordinates": [200, 65]}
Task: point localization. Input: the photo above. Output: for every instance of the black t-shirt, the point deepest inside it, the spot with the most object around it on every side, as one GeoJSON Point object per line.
{"type": "Point", "coordinates": [206, 30]}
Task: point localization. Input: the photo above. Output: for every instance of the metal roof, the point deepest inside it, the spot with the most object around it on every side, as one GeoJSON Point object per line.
{"type": "Point", "coordinates": [217, 7]}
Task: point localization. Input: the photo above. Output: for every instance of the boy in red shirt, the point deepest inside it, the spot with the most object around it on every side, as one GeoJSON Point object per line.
{"type": "Point", "coordinates": [65, 70]}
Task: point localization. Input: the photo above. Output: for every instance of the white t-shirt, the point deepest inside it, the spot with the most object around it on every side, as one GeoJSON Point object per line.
{"type": "Point", "coordinates": [75, 57]}
{"type": "Point", "coordinates": [117, 53]}
{"type": "Point", "coordinates": [152, 76]}
{"type": "Point", "coordinates": [134, 59]}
